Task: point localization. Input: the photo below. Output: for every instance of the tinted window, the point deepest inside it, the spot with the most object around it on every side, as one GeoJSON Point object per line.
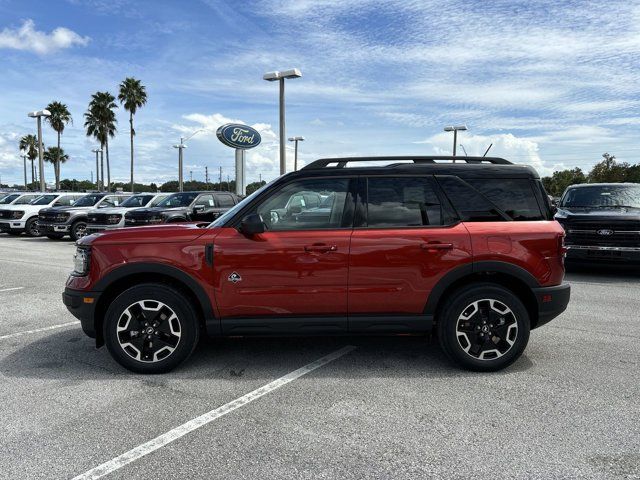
{"type": "Point", "coordinates": [136, 201]}
{"type": "Point", "coordinates": [515, 197]}
{"type": "Point", "coordinates": [225, 200]}
{"type": "Point", "coordinates": [297, 205]}
{"type": "Point", "coordinates": [110, 201]}
{"type": "Point", "coordinates": [43, 200]}
{"type": "Point", "coordinates": [178, 200]}
{"type": "Point", "coordinates": [65, 201]}
{"type": "Point", "coordinates": [9, 198]}
{"type": "Point", "coordinates": [87, 201]}
{"type": "Point", "coordinates": [206, 201]}
{"type": "Point", "coordinates": [470, 204]}
{"type": "Point", "coordinates": [25, 199]}
{"type": "Point", "coordinates": [603, 196]}
{"type": "Point", "coordinates": [157, 200]}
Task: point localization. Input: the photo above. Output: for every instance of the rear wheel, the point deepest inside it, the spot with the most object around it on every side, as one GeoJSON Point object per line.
{"type": "Point", "coordinates": [78, 229]}
{"type": "Point", "coordinates": [31, 228]}
{"type": "Point", "coordinates": [484, 327]}
{"type": "Point", "coordinates": [150, 328]}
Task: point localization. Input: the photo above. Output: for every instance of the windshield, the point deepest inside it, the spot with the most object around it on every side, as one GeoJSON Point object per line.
{"type": "Point", "coordinates": [136, 201]}
{"type": "Point", "coordinates": [222, 219]}
{"type": "Point", "coordinates": [43, 200]}
{"type": "Point", "coordinates": [603, 196]}
{"type": "Point", "coordinates": [9, 198]}
{"type": "Point", "coordinates": [25, 199]}
{"type": "Point", "coordinates": [178, 200]}
{"type": "Point", "coordinates": [87, 200]}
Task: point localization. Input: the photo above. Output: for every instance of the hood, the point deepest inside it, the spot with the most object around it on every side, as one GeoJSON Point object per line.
{"type": "Point", "coordinates": [109, 211]}
{"type": "Point", "coordinates": [166, 233]}
{"type": "Point", "coordinates": [587, 213]}
{"type": "Point", "coordinates": [156, 210]}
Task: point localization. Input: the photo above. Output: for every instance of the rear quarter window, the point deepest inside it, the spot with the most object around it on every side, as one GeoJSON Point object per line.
{"type": "Point", "coordinates": [514, 196]}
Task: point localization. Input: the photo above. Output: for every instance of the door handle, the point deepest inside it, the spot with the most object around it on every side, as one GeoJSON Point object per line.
{"type": "Point", "coordinates": [320, 248]}
{"type": "Point", "coordinates": [436, 246]}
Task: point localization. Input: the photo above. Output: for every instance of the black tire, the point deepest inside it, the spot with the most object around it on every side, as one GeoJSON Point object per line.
{"type": "Point", "coordinates": [55, 236]}
{"type": "Point", "coordinates": [31, 228]}
{"type": "Point", "coordinates": [130, 349]}
{"type": "Point", "coordinates": [77, 229]}
{"type": "Point", "coordinates": [488, 340]}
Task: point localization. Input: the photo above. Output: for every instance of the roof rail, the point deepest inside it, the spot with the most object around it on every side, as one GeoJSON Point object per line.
{"type": "Point", "coordinates": [342, 162]}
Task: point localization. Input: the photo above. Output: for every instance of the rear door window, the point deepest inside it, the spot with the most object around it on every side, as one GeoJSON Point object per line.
{"type": "Point", "coordinates": [225, 200]}
{"type": "Point", "coordinates": [402, 202]}
{"type": "Point", "coordinates": [470, 203]}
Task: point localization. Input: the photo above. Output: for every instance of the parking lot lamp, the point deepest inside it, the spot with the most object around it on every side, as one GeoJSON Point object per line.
{"type": "Point", "coordinates": [39, 114]}
{"type": "Point", "coordinates": [295, 149]}
{"type": "Point", "coordinates": [281, 77]}
{"type": "Point", "coordinates": [181, 146]}
{"type": "Point", "coordinates": [455, 129]}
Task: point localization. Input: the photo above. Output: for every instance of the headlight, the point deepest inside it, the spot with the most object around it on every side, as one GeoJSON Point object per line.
{"type": "Point", "coordinates": [17, 214]}
{"type": "Point", "coordinates": [113, 219]}
{"type": "Point", "coordinates": [62, 217]}
{"type": "Point", "coordinates": [81, 261]}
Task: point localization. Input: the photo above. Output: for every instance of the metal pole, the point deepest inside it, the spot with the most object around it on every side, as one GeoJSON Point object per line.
{"type": "Point", "coordinates": [97, 172]}
{"type": "Point", "coordinates": [283, 156]}
{"type": "Point", "coordinates": [295, 158]}
{"type": "Point", "coordinates": [455, 140]}
{"type": "Point", "coordinates": [239, 171]}
{"type": "Point", "coordinates": [24, 158]}
{"type": "Point", "coordinates": [43, 187]}
{"type": "Point", "coordinates": [180, 147]}
{"type": "Point", "coordinates": [220, 179]}
{"type": "Point", "coordinates": [101, 188]}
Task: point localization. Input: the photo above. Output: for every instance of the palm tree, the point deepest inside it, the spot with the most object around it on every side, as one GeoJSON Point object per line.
{"type": "Point", "coordinates": [29, 145]}
{"type": "Point", "coordinates": [100, 122]}
{"type": "Point", "coordinates": [55, 156]}
{"type": "Point", "coordinates": [58, 119]}
{"type": "Point", "coordinates": [133, 95]}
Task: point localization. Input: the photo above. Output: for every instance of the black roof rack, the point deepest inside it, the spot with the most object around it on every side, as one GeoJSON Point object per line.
{"type": "Point", "coordinates": [342, 162]}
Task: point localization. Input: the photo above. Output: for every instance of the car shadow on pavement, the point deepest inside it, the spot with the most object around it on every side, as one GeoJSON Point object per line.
{"type": "Point", "coordinates": [610, 271]}
{"type": "Point", "coordinates": [69, 355]}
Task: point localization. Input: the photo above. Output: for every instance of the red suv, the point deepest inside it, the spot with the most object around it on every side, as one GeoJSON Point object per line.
{"type": "Point", "coordinates": [466, 246]}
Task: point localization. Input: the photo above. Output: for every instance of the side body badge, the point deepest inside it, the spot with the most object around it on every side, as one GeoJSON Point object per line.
{"type": "Point", "coordinates": [234, 277]}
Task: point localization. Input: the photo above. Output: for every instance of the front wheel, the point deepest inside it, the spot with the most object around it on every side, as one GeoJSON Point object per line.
{"type": "Point", "coordinates": [150, 328]}
{"type": "Point", "coordinates": [31, 228]}
{"type": "Point", "coordinates": [484, 327]}
{"type": "Point", "coordinates": [78, 230]}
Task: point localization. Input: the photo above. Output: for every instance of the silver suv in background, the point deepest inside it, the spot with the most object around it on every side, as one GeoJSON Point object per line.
{"type": "Point", "coordinates": [110, 218]}
{"type": "Point", "coordinates": [21, 217]}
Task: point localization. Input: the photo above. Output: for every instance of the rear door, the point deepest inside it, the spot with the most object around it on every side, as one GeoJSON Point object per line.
{"type": "Point", "coordinates": [405, 239]}
{"type": "Point", "coordinates": [294, 275]}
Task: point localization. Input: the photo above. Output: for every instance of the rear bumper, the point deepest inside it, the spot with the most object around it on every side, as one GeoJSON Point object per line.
{"type": "Point", "coordinates": [552, 301]}
{"type": "Point", "coordinates": [82, 305]}
{"type": "Point", "coordinates": [595, 254]}
{"type": "Point", "coordinates": [12, 225]}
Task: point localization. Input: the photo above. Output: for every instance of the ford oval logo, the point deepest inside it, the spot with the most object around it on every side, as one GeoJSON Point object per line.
{"type": "Point", "coordinates": [604, 231]}
{"type": "Point", "coordinates": [235, 135]}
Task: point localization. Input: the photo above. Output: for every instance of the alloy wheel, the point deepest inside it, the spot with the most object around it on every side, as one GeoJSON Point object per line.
{"type": "Point", "coordinates": [486, 329]}
{"type": "Point", "coordinates": [148, 331]}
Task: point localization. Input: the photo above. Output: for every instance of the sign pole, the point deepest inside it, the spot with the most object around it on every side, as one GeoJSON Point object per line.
{"type": "Point", "coordinates": [240, 171]}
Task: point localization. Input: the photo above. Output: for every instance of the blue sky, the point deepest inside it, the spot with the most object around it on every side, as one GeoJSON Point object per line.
{"type": "Point", "coordinates": [550, 83]}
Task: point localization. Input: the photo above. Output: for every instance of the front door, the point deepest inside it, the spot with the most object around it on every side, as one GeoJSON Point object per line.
{"type": "Point", "coordinates": [294, 275]}
{"type": "Point", "coordinates": [403, 247]}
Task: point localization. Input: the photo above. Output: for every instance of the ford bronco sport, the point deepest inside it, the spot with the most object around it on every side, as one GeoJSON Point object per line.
{"type": "Point", "coordinates": [465, 246]}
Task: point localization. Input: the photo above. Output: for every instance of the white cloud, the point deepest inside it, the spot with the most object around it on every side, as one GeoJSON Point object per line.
{"type": "Point", "coordinates": [29, 39]}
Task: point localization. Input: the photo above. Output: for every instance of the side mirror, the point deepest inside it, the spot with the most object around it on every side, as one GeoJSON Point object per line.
{"type": "Point", "coordinates": [295, 210]}
{"type": "Point", "coordinates": [198, 208]}
{"type": "Point", "coordinates": [252, 224]}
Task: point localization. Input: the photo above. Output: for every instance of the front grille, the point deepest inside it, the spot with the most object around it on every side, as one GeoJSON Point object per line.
{"type": "Point", "coordinates": [620, 234]}
{"type": "Point", "coordinates": [134, 220]}
{"type": "Point", "coordinates": [97, 218]}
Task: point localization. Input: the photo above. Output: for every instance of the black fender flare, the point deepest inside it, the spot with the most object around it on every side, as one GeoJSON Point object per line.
{"type": "Point", "coordinates": [150, 268]}
{"type": "Point", "coordinates": [469, 269]}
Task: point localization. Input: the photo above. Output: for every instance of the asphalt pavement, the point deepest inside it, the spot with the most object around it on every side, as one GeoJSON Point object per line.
{"type": "Point", "coordinates": [391, 407]}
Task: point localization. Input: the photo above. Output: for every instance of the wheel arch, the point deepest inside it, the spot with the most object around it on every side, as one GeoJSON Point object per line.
{"type": "Point", "coordinates": [127, 276]}
{"type": "Point", "coordinates": [513, 278]}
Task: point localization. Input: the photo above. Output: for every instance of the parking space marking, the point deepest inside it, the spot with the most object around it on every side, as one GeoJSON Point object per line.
{"type": "Point", "coordinates": [38, 330]}
{"type": "Point", "coordinates": [180, 431]}
{"type": "Point", "coordinates": [10, 289]}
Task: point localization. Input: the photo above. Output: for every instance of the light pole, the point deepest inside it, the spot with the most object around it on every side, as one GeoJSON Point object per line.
{"type": "Point", "coordinates": [39, 114]}
{"type": "Point", "coordinates": [455, 130]}
{"type": "Point", "coordinates": [281, 76]}
{"type": "Point", "coordinates": [97, 151]}
{"type": "Point", "coordinates": [295, 156]}
{"type": "Point", "coordinates": [24, 159]}
{"type": "Point", "coordinates": [181, 146]}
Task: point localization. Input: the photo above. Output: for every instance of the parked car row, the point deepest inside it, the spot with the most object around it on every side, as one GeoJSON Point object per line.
{"type": "Point", "coordinates": [57, 214]}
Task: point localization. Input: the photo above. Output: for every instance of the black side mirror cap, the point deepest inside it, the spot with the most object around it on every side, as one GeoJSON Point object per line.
{"type": "Point", "coordinates": [252, 224]}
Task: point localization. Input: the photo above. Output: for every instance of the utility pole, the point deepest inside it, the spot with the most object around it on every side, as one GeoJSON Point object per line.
{"type": "Point", "coordinates": [220, 179]}
{"type": "Point", "coordinates": [295, 158]}
{"type": "Point", "coordinates": [206, 176]}
{"type": "Point", "coordinates": [260, 176]}
{"type": "Point", "coordinates": [24, 158]}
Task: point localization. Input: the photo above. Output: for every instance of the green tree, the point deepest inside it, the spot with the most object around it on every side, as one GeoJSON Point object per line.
{"type": "Point", "coordinates": [29, 145]}
{"type": "Point", "coordinates": [608, 170]}
{"type": "Point", "coordinates": [252, 187]}
{"type": "Point", "coordinates": [55, 156]}
{"type": "Point", "coordinates": [133, 95]}
{"type": "Point", "coordinates": [100, 123]}
{"type": "Point", "coordinates": [557, 183]}
{"type": "Point", "coordinates": [58, 119]}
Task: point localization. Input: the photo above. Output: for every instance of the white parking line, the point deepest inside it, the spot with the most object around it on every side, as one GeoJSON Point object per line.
{"type": "Point", "coordinates": [10, 289]}
{"type": "Point", "coordinates": [38, 330]}
{"type": "Point", "coordinates": [180, 431]}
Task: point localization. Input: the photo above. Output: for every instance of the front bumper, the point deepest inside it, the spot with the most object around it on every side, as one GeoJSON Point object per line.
{"type": "Point", "coordinates": [46, 228]}
{"type": "Point", "coordinates": [594, 254]}
{"type": "Point", "coordinates": [82, 305]}
{"type": "Point", "coordinates": [552, 301]}
{"type": "Point", "coordinates": [12, 225]}
{"type": "Point", "coordinates": [100, 228]}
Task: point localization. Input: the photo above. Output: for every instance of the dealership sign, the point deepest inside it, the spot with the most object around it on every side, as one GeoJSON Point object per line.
{"type": "Point", "coordinates": [235, 135]}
